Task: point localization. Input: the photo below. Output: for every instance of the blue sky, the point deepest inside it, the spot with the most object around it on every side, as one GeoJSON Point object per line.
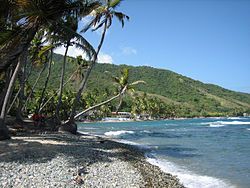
{"type": "Point", "coordinates": [207, 40]}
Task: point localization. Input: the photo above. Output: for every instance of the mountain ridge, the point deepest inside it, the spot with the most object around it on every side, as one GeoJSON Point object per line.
{"type": "Point", "coordinates": [191, 96]}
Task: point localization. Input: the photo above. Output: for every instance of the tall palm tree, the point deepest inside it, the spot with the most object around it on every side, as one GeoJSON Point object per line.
{"type": "Point", "coordinates": [102, 17]}
{"type": "Point", "coordinates": [46, 81]}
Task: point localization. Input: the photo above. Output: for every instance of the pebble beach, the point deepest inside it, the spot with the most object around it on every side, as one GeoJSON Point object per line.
{"type": "Point", "coordinates": [63, 160]}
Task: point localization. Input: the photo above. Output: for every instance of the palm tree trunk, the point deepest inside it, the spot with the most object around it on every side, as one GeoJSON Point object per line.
{"type": "Point", "coordinates": [41, 100]}
{"type": "Point", "coordinates": [33, 88]}
{"type": "Point", "coordinates": [98, 105]}
{"type": "Point", "coordinates": [22, 74]}
{"type": "Point", "coordinates": [8, 75]}
{"type": "Point", "coordinates": [119, 105]}
{"type": "Point", "coordinates": [13, 101]}
{"type": "Point", "coordinates": [45, 103]}
{"type": "Point", "coordinates": [3, 128]}
{"type": "Point", "coordinates": [85, 79]}
{"type": "Point", "coordinates": [9, 91]}
{"type": "Point", "coordinates": [61, 83]}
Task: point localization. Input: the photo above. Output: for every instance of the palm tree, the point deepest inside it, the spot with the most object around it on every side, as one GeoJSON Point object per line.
{"type": "Point", "coordinates": [20, 21]}
{"type": "Point", "coordinates": [82, 64]}
{"type": "Point", "coordinates": [123, 87]}
{"type": "Point", "coordinates": [3, 129]}
{"type": "Point", "coordinates": [46, 81]}
{"type": "Point", "coordinates": [103, 16]}
{"type": "Point", "coordinates": [122, 82]}
{"type": "Point", "coordinates": [67, 36]}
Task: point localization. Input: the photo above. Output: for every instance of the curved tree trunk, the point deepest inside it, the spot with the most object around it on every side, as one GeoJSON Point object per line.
{"type": "Point", "coordinates": [45, 103]}
{"type": "Point", "coordinates": [22, 74]}
{"type": "Point", "coordinates": [3, 128]}
{"type": "Point", "coordinates": [33, 88]}
{"type": "Point", "coordinates": [119, 105]}
{"type": "Point", "coordinates": [86, 76]}
{"type": "Point", "coordinates": [61, 83]}
{"type": "Point", "coordinates": [8, 75]}
{"type": "Point", "coordinates": [71, 127]}
{"type": "Point", "coordinates": [100, 104]}
{"type": "Point", "coordinates": [41, 100]}
{"type": "Point", "coordinates": [13, 101]}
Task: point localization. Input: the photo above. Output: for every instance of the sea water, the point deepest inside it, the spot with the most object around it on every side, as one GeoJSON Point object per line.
{"type": "Point", "coordinates": [209, 152]}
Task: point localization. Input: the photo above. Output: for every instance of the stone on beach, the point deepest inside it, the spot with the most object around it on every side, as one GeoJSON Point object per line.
{"type": "Point", "coordinates": [63, 160]}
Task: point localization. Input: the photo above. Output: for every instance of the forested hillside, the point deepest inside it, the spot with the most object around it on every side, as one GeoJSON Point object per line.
{"type": "Point", "coordinates": [189, 97]}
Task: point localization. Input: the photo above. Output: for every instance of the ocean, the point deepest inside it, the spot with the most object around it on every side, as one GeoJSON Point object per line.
{"type": "Point", "coordinates": [203, 153]}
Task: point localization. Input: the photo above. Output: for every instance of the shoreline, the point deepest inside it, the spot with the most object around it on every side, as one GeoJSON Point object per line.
{"type": "Point", "coordinates": [85, 160]}
{"type": "Point", "coordinates": [149, 120]}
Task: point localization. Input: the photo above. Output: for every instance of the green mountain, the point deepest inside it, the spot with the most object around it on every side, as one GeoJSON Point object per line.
{"type": "Point", "coordinates": [190, 97]}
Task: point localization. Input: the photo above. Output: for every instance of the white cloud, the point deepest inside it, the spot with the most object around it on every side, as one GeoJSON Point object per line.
{"type": "Point", "coordinates": [129, 51]}
{"type": "Point", "coordinates": [105, 58]}
{"type": "Point", "coordinates": [73, 52]}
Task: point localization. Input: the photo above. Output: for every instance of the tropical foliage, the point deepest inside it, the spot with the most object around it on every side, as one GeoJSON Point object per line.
{"type": "Point", "coordinates": [181, 96]}
{"type": "Point", "coordinates": [30, 31]}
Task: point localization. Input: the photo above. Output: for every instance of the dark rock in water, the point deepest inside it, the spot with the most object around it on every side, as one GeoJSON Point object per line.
{"type": "Point", "coordinates": [68, 127]}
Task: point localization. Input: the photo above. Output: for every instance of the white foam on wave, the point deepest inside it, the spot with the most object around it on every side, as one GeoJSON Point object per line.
{"type": "Point", "coordinates": [223, 123]}
{"type": "Point", "coordinates": [216, 125]}
{"type": "Point", "coordinates": [146, 131]}
{"type": "Point", "coordinates": [118, 133]}
{"type": "Point", "coordinates": [235, 118]}
{"type": "Point", "coordinates": [248, 129]}
{"type": "Point", "coordinates": [187, 178]}
{"type": "Point", "coordinates": [235, 123]}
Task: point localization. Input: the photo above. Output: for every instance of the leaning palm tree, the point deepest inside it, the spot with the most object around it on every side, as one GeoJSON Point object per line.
{"type": "Point", "coordinates": [102, 18]}
{"type": "Point", "coordinates": [123, 87]}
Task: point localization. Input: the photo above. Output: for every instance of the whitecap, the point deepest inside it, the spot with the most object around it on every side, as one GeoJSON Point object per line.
{"type": "Point", "coordinates": [222, 123]}
{"type": "Point", "coordinates": [205, 123]}
{"type": "Point", "coordinates": [216, 125]}
{"type": "Point", "coordinates": [235, 123]}
{"type": "Point", "coordinates": [188, 178]}
{"type": "Point", "coordinates": [235, 118]}
{"type": "Point", "coordinates": [118, 133]}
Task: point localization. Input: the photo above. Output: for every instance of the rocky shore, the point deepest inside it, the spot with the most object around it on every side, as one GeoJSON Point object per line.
{"type": "Point", "coordinates": [61, 160]}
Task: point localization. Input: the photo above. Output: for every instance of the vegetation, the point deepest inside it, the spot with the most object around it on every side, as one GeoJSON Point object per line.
{"type": "Point", "coordinates": [174, 94]}
{"type": "Point", "coordinates": [30, 31]}
{"type": "Point", "coordinates": [34, 80]}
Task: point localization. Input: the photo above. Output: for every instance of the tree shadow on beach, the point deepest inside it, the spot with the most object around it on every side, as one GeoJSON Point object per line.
{"type": "Point", "coordinates": [41, 149]}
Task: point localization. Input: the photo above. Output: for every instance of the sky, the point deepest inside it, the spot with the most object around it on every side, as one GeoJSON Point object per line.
{"type": "Point", "coordinates": [207, 40]}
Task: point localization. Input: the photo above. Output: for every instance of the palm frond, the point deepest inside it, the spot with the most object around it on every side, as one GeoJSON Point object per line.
{"type": "Point", "coordinates": [114, 3]}
{"type": "Point", "coordinates": [44, 50]}
{"type": "Point", "coordinates": [121, 17]}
